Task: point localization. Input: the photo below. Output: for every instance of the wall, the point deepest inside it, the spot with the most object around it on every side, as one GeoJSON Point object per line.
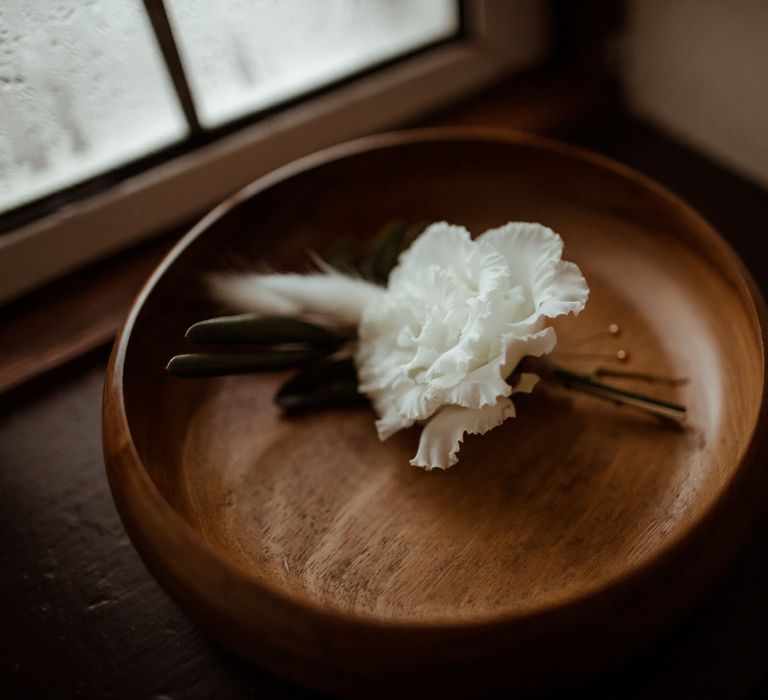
{"type": "Point", "coordinates": [699, 70]}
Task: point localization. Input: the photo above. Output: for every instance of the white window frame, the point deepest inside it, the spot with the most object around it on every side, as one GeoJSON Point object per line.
{"type": "Point", "coordinates": [501, 36]}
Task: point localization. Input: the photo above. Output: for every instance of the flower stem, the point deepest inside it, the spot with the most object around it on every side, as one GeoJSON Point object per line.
{"type": "Point", "coordinates": [586, 384]}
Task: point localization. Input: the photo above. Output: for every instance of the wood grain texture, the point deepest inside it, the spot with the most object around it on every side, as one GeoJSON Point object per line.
{"type": "Point", "coordinates": [316, 551]}
{"type": "Point", "coordinates": [82, 617]}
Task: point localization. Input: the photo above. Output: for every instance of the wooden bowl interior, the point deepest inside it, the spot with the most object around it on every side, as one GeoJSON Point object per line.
{"type": "Point", "coordinates": [572, 494]}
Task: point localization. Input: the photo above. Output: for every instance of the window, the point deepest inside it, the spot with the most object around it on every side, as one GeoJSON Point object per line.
{"type": "Point", "coordinates": [83, 89]}
{"type": "Point", "coordinates": [121, 117]}
{"type": "Point", "coordinates": [242, 57]}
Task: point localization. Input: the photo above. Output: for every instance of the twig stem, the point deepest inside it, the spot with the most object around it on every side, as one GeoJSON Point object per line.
{"type": "Point", "coordinates": [641, 402]}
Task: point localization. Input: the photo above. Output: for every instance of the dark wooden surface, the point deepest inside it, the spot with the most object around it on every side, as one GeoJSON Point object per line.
{"type": "Point", "coordinates": [68, 318]}
{"type": "Point", "coordinates": [81, 617]}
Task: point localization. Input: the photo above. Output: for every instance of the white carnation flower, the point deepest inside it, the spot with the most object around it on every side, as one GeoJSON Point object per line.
{"type": "Point", "coordinates": [456, 319]}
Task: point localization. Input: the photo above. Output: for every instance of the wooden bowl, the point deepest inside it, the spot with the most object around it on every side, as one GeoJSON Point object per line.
{"type": "Point", "coordinates": [562, 540]}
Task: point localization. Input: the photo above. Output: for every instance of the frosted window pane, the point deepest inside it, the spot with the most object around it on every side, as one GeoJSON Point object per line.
{"type": "Point", "coordinates": [245, 55]}
{"type": "Point", "coordinates": [83, 88]}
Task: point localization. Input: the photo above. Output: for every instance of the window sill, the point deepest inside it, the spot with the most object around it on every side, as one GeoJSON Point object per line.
{"type": "Point", "coordinates": [84, 311]}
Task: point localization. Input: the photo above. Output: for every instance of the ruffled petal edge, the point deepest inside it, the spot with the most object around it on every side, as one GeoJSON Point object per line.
{"type": "Point", "coordinates": [442, 436]}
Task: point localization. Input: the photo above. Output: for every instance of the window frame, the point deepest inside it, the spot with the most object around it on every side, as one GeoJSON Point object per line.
{"type": "Point", "coordinates": [498, 37]}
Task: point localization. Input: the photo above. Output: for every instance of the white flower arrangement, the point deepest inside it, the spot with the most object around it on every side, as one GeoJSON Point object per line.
{"type": "Point", "coordinates": [440, 345]}
{"type": "Point", "coordinates": [457, 318]}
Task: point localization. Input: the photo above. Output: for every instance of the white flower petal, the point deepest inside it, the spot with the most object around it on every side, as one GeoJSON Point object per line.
{"type": "Point", "coordinates": [567, 292]}
{"type": "Point", "coordinates": [481, 387]}
{"type": "Point", "coordinates": [532, 345]}
{"type": "Point", "coordinates": [457, 318]}
{"type": "Point", "coordinates": [442, 435]}
{"type": "Point", "coordinates": [533, 253]}
{"type": "Point", "coordinates": [439, 245]}
{"type": "Point", "coordinates": [391, 423]}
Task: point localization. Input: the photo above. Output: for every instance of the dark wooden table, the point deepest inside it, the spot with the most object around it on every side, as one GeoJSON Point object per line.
{"type": "Point", "coordinates": [82, 617]}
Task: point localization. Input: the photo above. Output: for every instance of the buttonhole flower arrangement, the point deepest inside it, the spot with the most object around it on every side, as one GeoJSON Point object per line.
{"type": "Point", "coordinates": [433, 327]}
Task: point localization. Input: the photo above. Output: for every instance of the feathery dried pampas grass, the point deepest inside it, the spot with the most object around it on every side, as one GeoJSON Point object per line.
{"type": "Point", "coordinates": [336, 298]}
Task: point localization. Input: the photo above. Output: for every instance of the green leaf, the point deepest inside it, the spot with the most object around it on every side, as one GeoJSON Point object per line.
{"type": "Point", "coordinates": [339, 255]}
{"type": "Point", "coordinates": [260, 330]}
{"type": "Point", "coordinates": [412, 233]}
{"type": "Point", "coordinates": [329, 382]}
{"type": "Point", "coordinates": [338, 394]}
{"type": "Point", "coordinates": [388, 252]}
{"type": "Point", "coordinates": [381, 253]}
{"type": "Point", "coordinates": [215, 364]}
{"type": "Point", "coordinates": [398, 239]}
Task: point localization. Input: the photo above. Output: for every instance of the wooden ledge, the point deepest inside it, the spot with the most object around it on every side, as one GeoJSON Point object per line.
{"type": "Point", "coordinates": [83, 311]}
